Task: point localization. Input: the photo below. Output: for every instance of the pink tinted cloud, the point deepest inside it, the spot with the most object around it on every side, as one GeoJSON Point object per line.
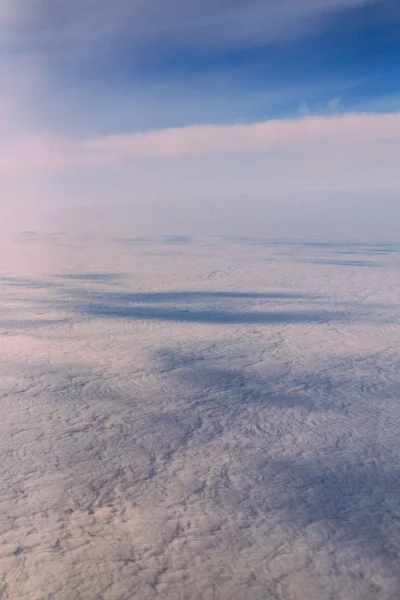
{"type": "Point", "coordinates": [36, 152]}
{"type": "Point", "coordinates": [358, 137]}
{"type": "Point", "coordinates": [334, 132]}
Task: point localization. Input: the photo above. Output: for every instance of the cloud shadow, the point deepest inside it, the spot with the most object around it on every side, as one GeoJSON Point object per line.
{"type": "Point", "coordinates": [214, 386]}
{"type": "Point", "coordinates": [181, 307]}
{"type": "Point", "coordinates": [357, 500]}
{"type": "Point", "coordinates": [93, 277]}
{"type": "Point", "coordinates": [207, 316]}
{"type": "Point", "coordinates": [342, 263]}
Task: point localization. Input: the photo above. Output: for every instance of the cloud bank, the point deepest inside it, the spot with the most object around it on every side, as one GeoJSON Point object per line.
{"type": "Point", "coordinates": [67, 140]}
{"type": "Point", "coordinates": [357, 136]}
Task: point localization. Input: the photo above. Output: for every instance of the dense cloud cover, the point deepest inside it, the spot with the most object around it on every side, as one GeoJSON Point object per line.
{"type": "Point", "coordinates": [199, 418]}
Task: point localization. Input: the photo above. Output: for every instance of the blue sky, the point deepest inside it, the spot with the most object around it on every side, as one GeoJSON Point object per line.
{"type": "Point", "coordinates": [75, 72]}
{"type": "Point", "coordinates": [176, 63]}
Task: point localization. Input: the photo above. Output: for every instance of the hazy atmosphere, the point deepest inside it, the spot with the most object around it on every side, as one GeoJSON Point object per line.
{"type": "Point", "coordinates": [199, 316]}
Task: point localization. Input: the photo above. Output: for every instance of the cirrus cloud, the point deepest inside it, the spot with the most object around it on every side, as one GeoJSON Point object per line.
{"type": "Point", "coordinates": [238, 23]}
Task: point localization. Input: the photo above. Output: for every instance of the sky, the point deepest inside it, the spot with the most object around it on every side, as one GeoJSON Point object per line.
{"type": "Point", "coordinates": [201, 117]}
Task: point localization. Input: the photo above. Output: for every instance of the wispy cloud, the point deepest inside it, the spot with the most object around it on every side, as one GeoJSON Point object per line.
{"type": "Point", "coordinates": [61, 58]}
{"type": "Point", "coordinates": [209, 22]}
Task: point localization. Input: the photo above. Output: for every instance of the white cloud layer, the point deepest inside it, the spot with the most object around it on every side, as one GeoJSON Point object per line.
{"type": "Point", "coordinates": [168, 176]}
{"type": "Point", "coordinates": [357, 137]}
{"type": "Point", "coordinates": [341, 134]}
{"type": "Point", "coordinates": [186, 418]}
{"type": "Point", "coordinates": [348, 142]}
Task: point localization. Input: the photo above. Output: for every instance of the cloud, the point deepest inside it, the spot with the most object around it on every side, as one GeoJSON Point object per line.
{"type": "Point", "coordinates": [100, 66]}
{"type": "Point", "coordinates": [73, 133]}
{"type": "Point", "coordinates": [357, 138]}
{"type": "Point", "coordinates": [230, 460]}
{"type": "Point", "coordinates": [314, 174]}
{"type": "Point", "coordinates": [337, 132]}
{"type": "Point", "coordinates": [140, 22]}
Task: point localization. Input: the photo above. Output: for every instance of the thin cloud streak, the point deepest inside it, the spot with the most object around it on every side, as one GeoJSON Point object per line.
{"type": "Point", "coordinates": [239, 24]}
